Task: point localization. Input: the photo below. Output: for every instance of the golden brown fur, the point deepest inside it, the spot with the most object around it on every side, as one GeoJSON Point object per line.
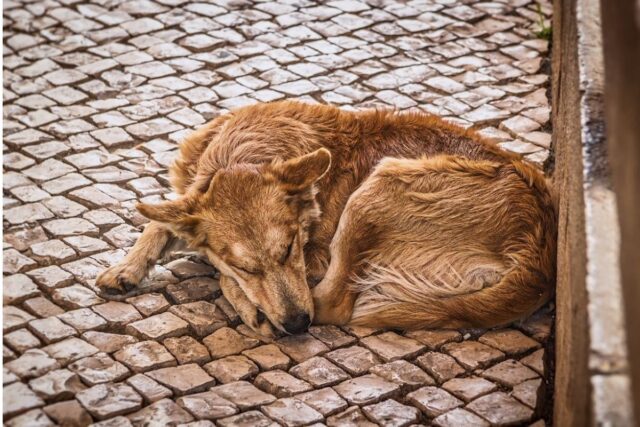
{"type": "Point", "coordinates": [406, 221]}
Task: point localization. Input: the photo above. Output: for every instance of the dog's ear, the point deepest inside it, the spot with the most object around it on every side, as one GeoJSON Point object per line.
{"type": "Point", "coordinates": [176, 213]}
{"type": "Point", "coordinates": [300, 173]}
{"type": "Point", "coordinates": [163, 212]}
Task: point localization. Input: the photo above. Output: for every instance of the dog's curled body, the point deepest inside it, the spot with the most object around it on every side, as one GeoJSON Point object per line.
{"type": "Point", "coordinates": [416, 223]}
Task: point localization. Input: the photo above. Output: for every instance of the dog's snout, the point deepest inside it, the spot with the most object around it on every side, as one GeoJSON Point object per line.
{"type": "Point", "coordinates": [297, 323]}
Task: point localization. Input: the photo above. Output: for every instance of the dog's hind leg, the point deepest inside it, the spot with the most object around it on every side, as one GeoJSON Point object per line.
{"type": "Point", "coordinates": [128, 273]}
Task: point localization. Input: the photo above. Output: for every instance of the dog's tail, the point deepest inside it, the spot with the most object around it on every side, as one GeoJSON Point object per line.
{"type": "Point", "coordinates": [404, 301]}
{"type": "Point", "coordinates": [474, 288]}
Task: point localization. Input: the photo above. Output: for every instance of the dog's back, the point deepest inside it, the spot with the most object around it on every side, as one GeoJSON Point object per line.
{"type": "Point", "coordinates": [357, 140]}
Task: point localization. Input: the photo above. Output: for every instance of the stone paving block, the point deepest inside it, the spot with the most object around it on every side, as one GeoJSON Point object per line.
{"type": "Point", "coordinates": [500, 409]}
{"type": "Point", "coordinates": [85, 246]}
{"type": "Point", "coordinates": [246, 419]}
{"type": "Point", "coordinates": [14, 318]}
{"type": "Point", "coordinates": [433, 401]}
{"type": "Point", "coordinates": [117, 314]}
{"type": "Point", "coordinates": [162, 412]}
{"type": "Point", "coordinates": [51, 329]}
{"type": "Point", "coordinates": [23, 237]}
{"type": "Point", "coordinates": [52, 251]}
{"type": "Point", "coordinates": [8, 355]}
{"type": "Point", "coordinates": [231, 368]}
{"type": "Point", "coordinates": [184, 268]}
{"type": "Point", "coordinates": [226, 342]}
{"type": "Point", "coordinates": [301, 347]}
{"type": "Point", "coordinates": [159, 326]}
{"type": "Point", "coordinates": [207, 406]}
{"type": "Point", "coordinates": [27, 213]}
{"type": "Point", "coordinates": [243, 394]}
{"type": "Point", "coordinates": [108, 342]}
{"type": "Point", "coordinates": [469, 388]}
{"type": "Point", "coordinates": [268, 357]}
{"type": "Point", "coordinates": [531, 393]}
{"type": "Point", "coordinates": [18, 398]}
{"type": "Point", "coordinates": [228, 310]}
{"type": "Point", "coordinates": [32, 363]}
{"type": "Point", "coordinates": [14, 262]}
{"type": "Point", "coordinates": [355, 360]}
{"type": "Point", "coordinates": [392, 413]}
{"type": "Point", "coordinates": [33, 418]}
{"type": "Point", "coordinates": [325, 400]}
{"type": "Point", "coordinates": [187, 350]}
{"type": "Point", "coordinates": [510, 341]}
{"type": "Point", "coordinates": [18, 288]}
{"type": "Point", "coordinates": [183, 379]}
{"type": "Point", "coordinates": [99, 369]}
{"type": "Point", "coordinates": [509, 373]}
{"type": "Point", "coordinates": [51, 276]}
{"type": "Point", "coordinates": [472, 354]}
{"type": "Point", "coordinates": [193, 289]}
{"type": "Point", "coordinates": [8, 377]}
{"type": "Point", "coordinates": [109, 400]}
{"type": "Point", "coordinates": [203, 317]}
{"type": "Point", "coordinates": [292, 412]}
{"type": "Point", "coordinates": [21, 340]}
{"type": "Point", "coordinates": [535, 361]}
{"type": "Point", "coordinates": [75, 296]}
{"type": "Point", "coordinates": [538, 325]}
{"type": "Point", "coordinates": [390, 346]}
{"type": "Point", "coordinates": [56, 385]}
{"type": "Point", "coordinates": [440, 366]}
{"type": "Point", "coordinates": [144, 356]}
{"type": "Point", "coordinates": [82, 319]}
{"type": "Point", "coordinates": [281, 384]}
{"type": "Point", "coordinates": [149, 304]}
{"type": "Point", "coordinates": [119, 421]}
{"type": "Point", "coordinates": [459, 417]}
{"type": "Point", "coordinates": [319, 372]}
{"type": "Point", "coordinates": [352, 416]}
{"type": "Point", "coordinates": [69, 350]}
{"type": "Point", "coordinates": [68, 412]}
{"type": "Point", "coordinates": [366, 389]}
{"type": "Point", "coordinates": [70, 227]}
{"type": "Point", "coordinates": [149, 389]}
{"type": "Point", "coordinates": [406, 375]}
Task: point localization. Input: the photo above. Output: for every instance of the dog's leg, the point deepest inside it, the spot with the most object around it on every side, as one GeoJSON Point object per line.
{"type": "Point", "coordinates": [128, 274]}
{"type": "Point", "coordinates": [245, 309]}
{"type": "Point", "coordinates": [334, 297]}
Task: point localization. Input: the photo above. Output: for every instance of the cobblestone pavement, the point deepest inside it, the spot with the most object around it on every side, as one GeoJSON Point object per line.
{"type": "Point", "coordinates": [97, 96]}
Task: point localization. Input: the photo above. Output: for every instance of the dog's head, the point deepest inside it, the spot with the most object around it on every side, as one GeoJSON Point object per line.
{"type": "Point", "coordinates": [253, 222]}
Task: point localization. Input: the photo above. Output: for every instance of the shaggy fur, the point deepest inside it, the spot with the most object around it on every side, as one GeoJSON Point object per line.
{"type": "Point", "coordinates": [403, 220]}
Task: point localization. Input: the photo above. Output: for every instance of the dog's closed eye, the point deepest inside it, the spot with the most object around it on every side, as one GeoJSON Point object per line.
{"type": "Point", "coordinates": [246, 270]}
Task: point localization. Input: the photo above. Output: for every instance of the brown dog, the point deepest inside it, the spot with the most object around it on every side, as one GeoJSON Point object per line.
{"type": "Point", "coordinates": [404, 220]}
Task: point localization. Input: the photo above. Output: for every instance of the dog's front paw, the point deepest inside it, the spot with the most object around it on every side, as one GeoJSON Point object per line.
{"type": "Point", "coordinates": [265, 329]}
{"type": "Point", "coordinates": [256, 321]}
{"type": "Point", "coordinates": [119, 280]}
{"type": "Point", "coordinates": [329, 309]}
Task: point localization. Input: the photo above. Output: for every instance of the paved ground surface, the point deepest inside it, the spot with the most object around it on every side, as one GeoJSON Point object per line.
{"type": "Point", "coordinates": [97, 97]}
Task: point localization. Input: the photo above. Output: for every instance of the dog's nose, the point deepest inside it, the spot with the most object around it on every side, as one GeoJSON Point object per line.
{"type": "Point", "coordinates": [297, 323]}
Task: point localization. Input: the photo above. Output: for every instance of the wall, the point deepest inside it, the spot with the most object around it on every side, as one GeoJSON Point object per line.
{"type": "Point", "coordinates": [592, 381]}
